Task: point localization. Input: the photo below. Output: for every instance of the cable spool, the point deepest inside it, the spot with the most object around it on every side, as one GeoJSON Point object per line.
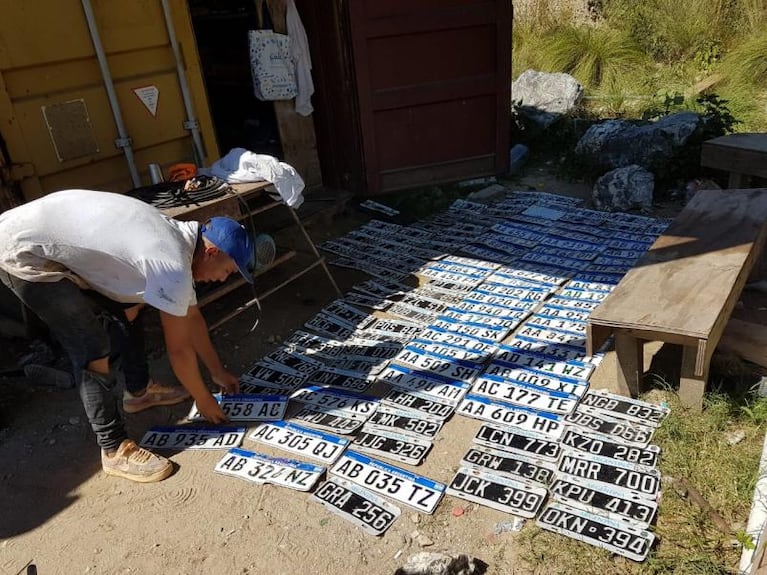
{"type": "Point", "coordinates": [179, 194]}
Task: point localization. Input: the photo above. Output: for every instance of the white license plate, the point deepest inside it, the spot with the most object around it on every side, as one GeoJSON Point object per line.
{"type": "Point", "coordinates": [247, 407]}
{"type": "Point", "coordinates": [575, 304]}
{"type": "Point", "coordinates": [371, 302]}
{"type": "Point", "coordinates": [423, 303]}
{"type": "Point", "coordinates": [422, 346]}
{"type": "Point", "coordinates": [420, 402]}
{"type": "Point", "coordinates": [456, 339]}
{"type": "Point", "coordinates": [339, 378]}
{"type": "Point", "coordinates": [250, 384]}
{"type": "Point", "coordinates": [565, 244]}
{"type": "Point", "coordinates": [515, 465]}
{"type": "Point", "coordinates": [336, 401]}
{"type": "Point", "coordinates": [603, 500]}
{"type": "Point", "coordinates": [583, 294]}
{"type": "Point", "coordinates": [312, 344]}
{"type": "Point", "coordinates": [568, 368]}
{"type": "Point", "coordinates": [589, 286]}
{"type": "Point", "coordinates": [391, 445]}
{"type": "Point", "coordinates": [412, 314]}
{"type": "Point", "coordinates": [554, 261]}
{"type": "Point", "coordinates": [501, 300]}
{"type": "Point", "coordinates": [325, 324]}
{"type": "Point", "coordinates": [282, 358]}
{"type": "Point", "coordinates": [525, 395]}
{"type": "Point", "coordinates": [415, 491]}
{"type": "Point", "coordinates": [260, 468]}
{"type": "Point", "coordinates": [570, 254]}
{"type": "Point", "coordinates": [444, 276]}
{"type": "Point", "coordinates": [446, 366]}
{"type": "Point", "coordinates": [538, 276]}
{"type": "Point", "coordinates": [632, 477]}
{"type": "Point", "coordinates": [395, 327]}
{"type": "Point", "coordinates": [553, 336]}
{"type": "Point", "coordinates": [363, 508]}
{"type": "Point", "coordinates": [508, 495]}
{"type": "Point", "coordinates": [523, 293]}
{"type": "Point", "coordinates": [616, 536]}
{"type": "Point", "coordinates": [568, 325]}
{"type": "Point", "coordinates": [487, 409]}
{"type": "Point", "coordinates": [343, 312]}
{"type": "Point", "coordinates": [592, 276]}
{"type": "Point", "coordinates": [405, 421]}
{"type": "Point", "coordinates": [601, 445]}
{"type": "Point", "coordinates": [296, 439]}
{"type": "Point", "coordinates": [180, 437]}
{"type": "Point", "coordinates": [517, 441]}
{"type": "Point", "coordinates": [626, 254]}
{"type": "Point", "coordinates": [548, 349]}
{"type": "Point", "coordinates": [439, 388]}
{"type": "Point", "coordinates": [471, 262]}
{"type": "Point", "coordinates": [504, 256]}
{"type": "Point", "coordinates": [329, 421]}
{"type": "Point", "coordinates": [472, 330]}
{"type": "Point", "coordinates": [452, 268]}
{"type": "Point", "coordinates": [626, 408]}
{"type": "Point", "coordinates": [471, 307]}
{"type": "Point", "coordinates": [558, 312]}
{"type": "Point", "coordinates": [617, 429]}
{"type": "Point", "coordinates": [508, 320]}
{"type": "Point", "coordinates": [514, 374]}
{"type": "Point", "coordinates": [450, 289]}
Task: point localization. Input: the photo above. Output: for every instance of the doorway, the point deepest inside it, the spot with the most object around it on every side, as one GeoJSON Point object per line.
{"type": "Point", "coordinates": [239, 118]}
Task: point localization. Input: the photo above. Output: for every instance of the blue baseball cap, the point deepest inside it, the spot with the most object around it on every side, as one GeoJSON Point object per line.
{"type": "Point", "coordinates": [231, 237]}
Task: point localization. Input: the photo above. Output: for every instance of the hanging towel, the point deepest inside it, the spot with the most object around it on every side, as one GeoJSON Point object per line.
{"type": "Point", "coordinates": [241, 165]}
{"type": "Point", "coordinates": [299, 51]}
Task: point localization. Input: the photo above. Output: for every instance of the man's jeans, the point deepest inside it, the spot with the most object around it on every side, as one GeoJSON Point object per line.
{"type": "Point", "coordinates": [89, 326]}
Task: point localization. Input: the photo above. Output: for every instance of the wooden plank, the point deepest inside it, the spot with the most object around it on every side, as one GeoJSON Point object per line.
{"type": "Point", "coordinates": [746, 340]}
{"type": "Point", "coordinates": [691, 385]}
{"type": "Point", "coordinates": [689, 281]}
{"type": "Point", "coordinates": [630, 364]}
{"type": "Point", "coordinates": [739, 153]}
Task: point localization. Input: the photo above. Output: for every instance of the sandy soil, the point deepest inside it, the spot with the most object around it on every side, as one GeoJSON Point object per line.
{"type": "Point", "coordinates": [59, 512]}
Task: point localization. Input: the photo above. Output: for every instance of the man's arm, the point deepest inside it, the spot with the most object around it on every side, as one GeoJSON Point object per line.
{"type": "Point", "coordinates": [204, 348]}
{"type": "Point", "coordinates": [180, 345]}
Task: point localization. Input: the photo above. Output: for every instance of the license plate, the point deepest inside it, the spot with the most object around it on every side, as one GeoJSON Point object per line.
{"type": "Point", "coordinates": [471, 307]}
{"type": "Point", "coordinates": [356, 368]}
{"type": "Point", "coordinates": [568, 325]}
{"type": "Point", "coordinates": [508, 495]}
{"type": "Point", "coordinates": [415, 491]}
{"type": "Point", "coordinates": [541, 277]}
{"type": "Point", "coordinates": [273, 373]}
{"type": "Point", "coordinates": [630, 476]}
{"type": "Point", "coordinates": [508, 276]}
{"type": "Point", "coordinates": [336, 401]}
{"type": "Point", "coordinates": [509, 464]}
{"type": "Point", "coordinates": [456, 339]}
{"type": "Point", "coordinates": [405, 421]}
{"type": "Point", "coordinates": [589, 286]}
{"type": "Point", "coordinates": [260, 468]}
{"type": "Point", "coordinates": [582, 294]}
{"type": "Point", "coordinates": [247, 407]}
{"type": "Point", "coordinates": [296, 439]}
{"type": "Point", "coordinates": [604, 500]}
{"type": "Point", "coordinates": [338, 378]}
{"type": "Point", "coordinates": [372, 349]}
{"type": "Point", "coordinates": [504, 256]}
{"type": "Point", "coordinates": [444, 276]}
{"type": "Point", "coordinates": [423, 303]}
{"type": "Point", "coordinates": [618, 429]}
{"type": "Point", "coordinates": [472, 330]}
{"type": "Point", "coordinates": [292, 360]}
{"type": "Point", "coordinates": [628, 254]}
{"type": "Point", "coordinates": [363, 508]}
{"type": "Point", "coordinates": [517, 441]}
{"type": "Point", "coordinates": [518, 231]}
{"type": "Point", "coordinates": [616, 536]}
{"type": "Point", "coordinates": [456, 369]}
{"type": "Point", "coordinates": [566, 244]}
{"type": "Point", "coordinates": [395, 327]}
{"type": "Point", "coordinates": [391, 445]}
{"type": "Point", "coordinates": [553, 336]}
{"type": "Point", "coordinates": [422, 346]}
{"type": "Point", "coordinates": [513, 374]}
{"type": "Point", "coordinates": [379, 288]}
{"type": "Point", "coordinates": [420, 402]}
{"type": "Point", "coordinates": [559, 312]}
{"type": "Point", "coordinates": [626, 407]}
{"type": "Point", "coordinates": [575, 369]}
{"type": "Point", "coordinates": [591, 276]}
{"type": "Point", "coordinates": [562, 263]}
{"type": "Point", "coordinates": [329, 421]}
{"type": "Point", "coordinates": [439, 388]}
{"type": "Point", "coordinates": [181, 437]}
{"type": "Point", "coordinates": [525, 395]}
{"type": "Point", "coordinates": [575, 304]}
{"type": "Point", "coordinates": [453, 268]}
{"type": "Point", "coordinates": [570, 254]}
{"type": "Point", "coordinates": [345, 313]}
{"type": "Point", "coordinates": [480, 265]}
{"type": "Point", "coordinates": [601, 445]}
{"type": "Point", "coordinates": [367, 301]}
{"type": "Point", "coordinates": [312, 344]}
{"type": "Point", "coordinates": [325, 324]}
{"type": "Point", "coordinates": [446, 287]}
{"type": "Point", "coordinates": [250, 384]}
{"type": "Point", "coordinates": [523, 293]}
{"type": "Point", "coordinates": [494, 411]}
{"type": "Point", "coordinates": [507, 321]}
{"type": "Point", "coordinates": [548, 349]}
{"type": "Point", "coordinates": [500, 301]}
{"type": "Point", "coordinates": [412, 314]}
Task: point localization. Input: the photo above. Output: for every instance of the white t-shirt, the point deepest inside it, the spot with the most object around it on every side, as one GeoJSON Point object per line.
{"type": "Point", "coordinates": [114, 244]}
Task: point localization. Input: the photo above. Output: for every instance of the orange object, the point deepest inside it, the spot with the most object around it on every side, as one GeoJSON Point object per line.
{"type": "Point", "coordinates": [180, 172]}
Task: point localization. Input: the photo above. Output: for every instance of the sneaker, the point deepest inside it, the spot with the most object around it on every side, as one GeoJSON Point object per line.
{"type": "Point", "coordinates": [155, 394]}
{"type": "Point", "coordinates": [136, 463]}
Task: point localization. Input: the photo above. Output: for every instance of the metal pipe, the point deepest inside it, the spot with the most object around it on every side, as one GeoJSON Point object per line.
{"type": "Point", "coordinates": [191, 123]}
{"type": "Point", "coordinates": [124, 141]}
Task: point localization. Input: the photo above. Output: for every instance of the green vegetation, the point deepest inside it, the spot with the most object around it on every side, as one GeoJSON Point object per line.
{"type": "Point", "coordinates": [629, 55]}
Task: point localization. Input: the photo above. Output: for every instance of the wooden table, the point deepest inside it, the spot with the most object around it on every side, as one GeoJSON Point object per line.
{"type": "Point", "coordinates": [685, 288]}
{"type": "Point", "coordinates": [248, 201]}
{"type": "Point", "coordinates": [742, 155]}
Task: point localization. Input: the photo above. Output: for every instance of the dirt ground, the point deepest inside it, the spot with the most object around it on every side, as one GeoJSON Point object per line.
{"type": "Point", "coordinates": [59, 512]}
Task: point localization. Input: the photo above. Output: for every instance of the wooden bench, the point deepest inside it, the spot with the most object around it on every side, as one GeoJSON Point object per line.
{"type": "Point", "coordinates": [742, 155]}
{"type": "Point", "coordinates": [685, 288]}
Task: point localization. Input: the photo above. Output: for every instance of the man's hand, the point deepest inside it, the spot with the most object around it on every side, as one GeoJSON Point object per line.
{"type": "Point", "coordinates": [211, 410]}
{"type": "Point", "coordinates": [228, 382]}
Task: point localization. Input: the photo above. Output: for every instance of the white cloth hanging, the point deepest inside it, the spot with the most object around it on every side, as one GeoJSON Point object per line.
{"type": "Point", "coordinates": [299, 51]}
{"type": "Point", "coordinates": [241, 165]}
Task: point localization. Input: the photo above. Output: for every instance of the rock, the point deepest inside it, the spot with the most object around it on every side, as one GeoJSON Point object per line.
{"type": "Point", "coordinates": [734, 437]}
{"type": "Point", "coordinates": [458, 511]}
{"type": "Point", "coordinates": [441, 564]}
{"type": "Point", "coordinates": [415, 518]}
{"type": "Point", "coordinates": [652, 145]}
{"type": "Point", "coordinates": [424, 541]}
{"type": "Point", "coordinates": [488, 194]}
{"type": "Point", "coordinates": [624, 189]}
{"type": "Point", "coordinates": [509, 526]}
{"type": "Point", "coordinates": [545, 97]}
